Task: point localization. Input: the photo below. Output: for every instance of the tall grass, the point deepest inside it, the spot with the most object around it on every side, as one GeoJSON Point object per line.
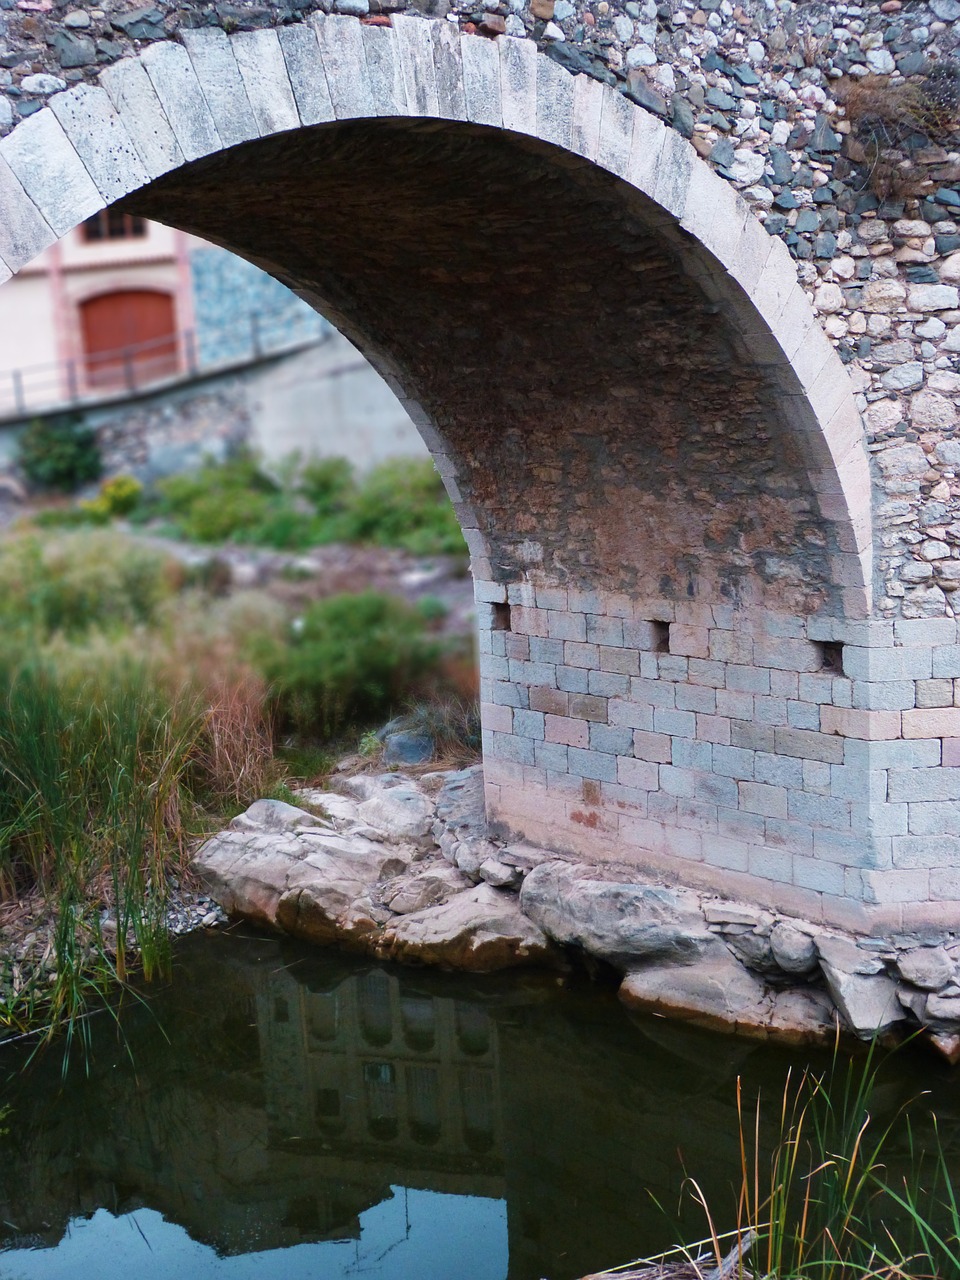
{"type": "Point", "coordinates": [90, 790]}
{"type": "Point", "coordinates": [821, 1197]}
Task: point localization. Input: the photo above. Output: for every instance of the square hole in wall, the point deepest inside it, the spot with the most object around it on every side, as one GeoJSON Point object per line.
{"type": "Point", "coordinates": [661, 637]}
{"type": "Point", "coordinates": [831, 657]}
{"type": "Point", "coordinates": [500, 617]}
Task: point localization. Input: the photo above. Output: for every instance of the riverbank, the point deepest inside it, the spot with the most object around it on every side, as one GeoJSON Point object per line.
{"type": "Point", "coordinates": [403, 868]}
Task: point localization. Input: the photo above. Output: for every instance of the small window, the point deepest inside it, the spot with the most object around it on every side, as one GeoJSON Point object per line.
{"type": "Point", "coordinates": [113, 224]}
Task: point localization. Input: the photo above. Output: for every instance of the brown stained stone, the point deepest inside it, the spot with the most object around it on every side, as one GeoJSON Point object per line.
{"type": "Point", "coordinates": [542, 9]}
{"type": "Point", "coordinates": [493, 25]}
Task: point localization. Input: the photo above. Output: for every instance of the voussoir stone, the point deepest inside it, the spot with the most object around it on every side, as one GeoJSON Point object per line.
{"type": "Point", "coordinates": [620, 923]}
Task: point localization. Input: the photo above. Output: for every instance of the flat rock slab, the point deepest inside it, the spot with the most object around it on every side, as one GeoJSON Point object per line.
{"type": "Point", "coordinates": [621, 923]}
{"type": "Point", "coordinates": [479, 931]}
{"type": "Point", "coordinates": [721, 995]}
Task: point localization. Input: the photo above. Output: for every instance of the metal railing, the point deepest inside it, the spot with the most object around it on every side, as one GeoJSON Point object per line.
{"type": "Point", "coordinates": [175, 356]}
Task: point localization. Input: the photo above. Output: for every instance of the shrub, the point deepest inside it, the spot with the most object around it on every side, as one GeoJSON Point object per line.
{"type": "Point", "coordinates": [327, 483]}
{"type": "Point", "coordinates": [58, 453]}
{"type": "Point", "coordinates": [402, 503]}
{"type": "Point", "coordinates": [349, 661]}
{"type": "Point", "coordinates": [117, 497]}
{"type": "Point", "coordinates": [80, 581]}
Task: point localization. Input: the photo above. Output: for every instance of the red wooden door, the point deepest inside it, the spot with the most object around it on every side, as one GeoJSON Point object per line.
{"type": "Point", "coordinates": [129, 338]}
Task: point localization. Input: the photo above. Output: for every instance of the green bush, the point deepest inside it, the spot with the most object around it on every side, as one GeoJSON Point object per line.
{"type": "Point", "coordinates": [402, 503]}
{"type": "Point", "coordinates": [327, 484]}
{"type": "Point", "coordinates": [80, 581]}
{"type": "Point", "coordinates": [58, 453]}
{"type": "Point", "coordinates": [351, 659]}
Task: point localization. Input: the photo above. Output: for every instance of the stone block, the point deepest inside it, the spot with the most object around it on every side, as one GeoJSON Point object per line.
{"type": "Point", "coordinates": [606, 631]}
{"type": "Point", "coordinates": [624, 662]}
{"type": "Point", "coordinates": [652, 746]}
{"type": "Point", "coordinates": [672, 666]}
{"type": "Point", "coordinates": [946, 662]}
{"type": "Point", "coordinates": [747, 679]}
{"type": "Point", "coordinates": [529, 724]}
{"type": "Point", "coordinates": [869, 726]}
{"type": "Point", "coordinates": [585, 116]}
{"type": "Point", "coordinates": [555, 598]}
{"type": "Point", "coordinates": [951, 752]}
{"type": "Point", "coordinates": [417, 61]}
{"type": "Point", "coordinates": [752, 737]}
{"type": "Point", "coordinates": [688, 641]}
{"type": "Point", "coordinates": [680, 724]}
{"type": "Point", "coordinates": [506, 693]}
{"type": "Point", "coordinates": [731, 646]}
{"type": "Point", "coordinates": [542, 650]}
{"type": "Point", "coordinates": [566, 626]}
{"type": "Point", "coordinates": [518, 85]}
{"type": "Point", "coordinates": [264, 72]}
{"type": "Point", "coordinates": [588, 707]}
{"type": "Point", "coordinates": [770, 711]}
{"type": "Point", "coordinates": [886, 665]}
{"type": "Point", "coordinates": [502, 746]}
{"type": "Point", "coordinates": [688, 754]}
{"type": "Point", "coordinates": [24, 232]}
{"type": "Point", "coordinates": [608, 684]}
{"type": "Point", "coordinates": [893, 695]}
{"type": "Point", "coordinates": [771, 864]}
{"type": "Point", "coordinates": [693, 697]}
{"type": "Point", "coordinates": [542, 673]}
{"type": "Point", "coordinates": [46, 164]}
{"type": "Point", "coordinates": [528, 621]}
{"type": "Point", "coordinates": [555, 88]}
{"type": "Point", "coordinates": [592, 764]}
{"type": "Point", "coordinates": [383, 64]}
{"type": "Point", "coordinates": [756, 797]}
{"type": "Point", "coordinates": [639, 775]}
{"type": "Point", "coordinates": [780, 771]}
{"type": "Point", "coordinates": [934, 818]}
{"type": "Point", "coordinates": [564, 729]}
{"type": "Point", "coordinates": [212, 55]}
{"type": "Point", "coordinates": [808, 746]}
{"type": "Point", "coordinates": [301, 53]}
{"type": "Point", "coordinates": [551, 756]}
{"type": "Point", "coordinates": [582, 655]}
{"type": "Point", "coordinates": [101, 140]}
{"type": "Point", "coordinates": [933, 722]}
{"type": "Point", "coordinates": [812, 873]}
{"type": "Point", "coordinates": [786, 654]}
{"type": "Point", "coordinates": [551, 701]}
{"type": "Point", "coordinates": [616, 133]}
{"type": "Point", "coordinates": [624, 712]}
{"type": "Point", "coordinates": [173, 77]}
{"type": "Point", "coordinates": [481, 80]}
{"type": "Point", "coordinates": [713, 729]}
{"type": "Point", "coordinates": [345, 65]}
{"type": "Point", "coordinates": [497, 719]}
{"type": "Point", "coordinates": [709, 673]}
{"type": "Point", "coordinates": [449, 68]}
{"type": "Point", "coordinates": [733, 762]}
{"type": "Point", "coordinates": [678, 782]}
{"type": "Point", "coordinates": [794, 837]}
{"type": "Point", "coordinates": [923, 784]}
{"type": "Point", "coordinates": [735, 705]}
{"type": "Point", "coordinates": [803, 715]}
{"type": "Point", "coordinates": [135, 100]}
{"type": "Point", "coordinates": [935, 693]}
{"type": "Point", "coordinates": [613, 739]}
{"type": "Point", "coordinates": [572, 679]}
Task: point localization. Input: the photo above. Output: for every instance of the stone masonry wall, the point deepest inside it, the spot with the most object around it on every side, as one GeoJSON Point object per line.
{"type": "Point", "coordinates": [675, 672]}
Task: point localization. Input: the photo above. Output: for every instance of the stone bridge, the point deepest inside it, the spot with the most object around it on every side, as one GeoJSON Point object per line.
{"type": "Point", "coordinates": [678, 320]}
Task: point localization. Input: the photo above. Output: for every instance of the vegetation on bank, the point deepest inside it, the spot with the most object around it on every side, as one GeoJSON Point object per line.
{"type": "Point", "coordinates": [137, 710]}
{"type": "Point", "coordinates": [400, 503]}
{"type": "Point", "coordinates": [835, 1185]}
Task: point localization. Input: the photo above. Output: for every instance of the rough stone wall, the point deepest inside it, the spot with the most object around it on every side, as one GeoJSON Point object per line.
{"type": "Point", "coordinates": [673, 669]}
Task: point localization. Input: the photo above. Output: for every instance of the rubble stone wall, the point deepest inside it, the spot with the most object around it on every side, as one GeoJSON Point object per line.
{"type": "Point", "coordinates": [716, 570]}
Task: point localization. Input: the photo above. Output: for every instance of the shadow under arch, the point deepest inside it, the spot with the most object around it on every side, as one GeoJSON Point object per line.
{"type": "Point", "coordinates": [625, 389]}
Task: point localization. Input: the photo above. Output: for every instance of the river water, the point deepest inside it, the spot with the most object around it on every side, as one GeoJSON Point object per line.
{"type": "Point", "coordinates": [277, 1113]}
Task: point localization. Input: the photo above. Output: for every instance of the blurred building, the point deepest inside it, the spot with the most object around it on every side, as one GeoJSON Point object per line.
{"type": "Point", "coordinates": [122, 308]}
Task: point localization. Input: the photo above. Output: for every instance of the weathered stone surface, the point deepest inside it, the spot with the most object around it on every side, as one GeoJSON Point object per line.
{"type": "Point", "coordinates": [618, 922]}
{"type": "Point", "coordinates": [869, 1004]}
{"type": "Point", "coordinates": [480, 931]}
{"type": "Point", "coordinates": [794, 950]}
{"type": "Point", "coordinates": [273, 815]}
{"type": "Point", "coordinates": [402, 813]}
{"type": "Point", "coordinates": [427, 888]}
{"type": "Point", "coordinates": [929, 968]}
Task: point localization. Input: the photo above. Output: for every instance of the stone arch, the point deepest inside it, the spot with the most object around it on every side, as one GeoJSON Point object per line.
{"type": "Point", "coordinates": [706, 535]}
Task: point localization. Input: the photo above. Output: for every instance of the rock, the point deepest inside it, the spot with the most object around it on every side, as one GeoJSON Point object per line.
{"type": "Point", "coordinates": [947, 1044]}
{"type": "Point", "coordinates": [470, 855]}
{"type": "Point", "coordinates": [408, 747]}
{"type": "Point", "coordinates": [747, 166]}
{"type": "Point", "coordinates": [869, 1004]}
{"type": "Point", "coordinates": [620, 923]}
{"type": "Point", "coordinates": [793, 950]}
{"type": "Point", "coordinates": [497, 873]}
{"type": "Point", "coordinates": [933, 297]}
{"type": "Point", "coordinates": [842, 953]}
{"type": "Point", "coordinates": [429, 887]}
{"type": "Point", "coordinates": [929, 968]}
{"type": "Point", "coordinates": [42, 84]}
{"type": "Point", "coordinates": [249, 874]}
{"type": "Point", "coordinates": [274, 815]}
{"type": "Point", "coordinates": [460, 804]}
{"type": "Point", "coordinates": [402, 813]}
{"type": "Point", "coordinates": [480, 931]}
{"type": "Point", "coordinates": [718, 994]}
{"type": "Point", "coordinates": [944, 1008]}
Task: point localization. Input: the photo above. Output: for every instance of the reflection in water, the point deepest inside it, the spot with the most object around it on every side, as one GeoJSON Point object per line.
{"type": "Point", "coordinates": [290, 1112]}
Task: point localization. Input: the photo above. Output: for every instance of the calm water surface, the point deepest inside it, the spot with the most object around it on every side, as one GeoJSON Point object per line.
{"type": "Point", "coordinates": [279, 1112]}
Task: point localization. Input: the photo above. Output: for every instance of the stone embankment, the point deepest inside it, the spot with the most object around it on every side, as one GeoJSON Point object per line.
{"type": "Point", "coordinates": [404, 869]}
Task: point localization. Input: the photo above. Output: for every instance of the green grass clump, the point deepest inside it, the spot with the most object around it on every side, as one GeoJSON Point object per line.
{"type": "Point", "coordinates": [79, 581]}
{"type": "Point", "coordinates": [821, 1200]}
{"type": "Point", "coordinates": [402, 503]}
{"type": "Point", "coordinates": [350, 659]}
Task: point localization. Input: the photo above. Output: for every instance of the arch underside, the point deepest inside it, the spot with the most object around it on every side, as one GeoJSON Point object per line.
{"type": "Point", "coordinates": [606, 425]}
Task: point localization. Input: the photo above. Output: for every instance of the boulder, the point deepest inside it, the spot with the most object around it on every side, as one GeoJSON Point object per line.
{"type": "Point", "coordinates": [869, 1003]}
{"type": "Point", "coordinates": [274, 815]}
{"type": "Point", "coordinates": [793, 950]}
{"type": "Point", "coordinates": [429, 887]}
{"type": "Point", "coordinates": [621, 923]}
{"type": "Point", "coordinates": [480, 931]}
{"type": "Point", "coordinates": [929, 968]}
{"type": "Point", "coordinates": [408, 747]}
{"type": "Point", "coordinates": [402, 813]}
